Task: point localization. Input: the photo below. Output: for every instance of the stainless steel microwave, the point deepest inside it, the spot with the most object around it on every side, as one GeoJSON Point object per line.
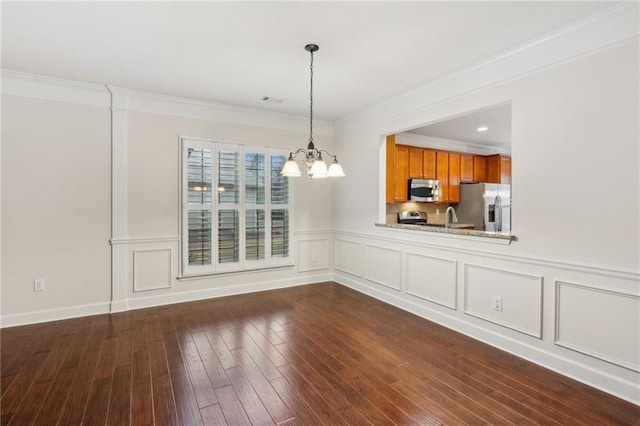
{"type": "Point", "coordinates": [424, 190]}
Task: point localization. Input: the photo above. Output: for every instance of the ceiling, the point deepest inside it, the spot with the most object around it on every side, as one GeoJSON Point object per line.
{"type": "Point", "coordinates": [464, 128]}
{"type": "Point", "coordinates": [239, 52]}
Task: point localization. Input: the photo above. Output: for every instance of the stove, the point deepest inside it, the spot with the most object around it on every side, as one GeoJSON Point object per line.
{"type": "Point", "coordinates": [412, 218]}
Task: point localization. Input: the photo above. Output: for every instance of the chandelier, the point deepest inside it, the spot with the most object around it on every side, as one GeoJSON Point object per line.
{"type": "Point", "coordinates": [316, 167]}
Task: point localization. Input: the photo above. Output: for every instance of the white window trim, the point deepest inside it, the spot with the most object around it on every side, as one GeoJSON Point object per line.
{"type": "Point", "coordinates": [269, 262]}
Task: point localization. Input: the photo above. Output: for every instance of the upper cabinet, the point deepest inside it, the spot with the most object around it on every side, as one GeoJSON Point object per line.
{"type": "Point", "coordinates": [466, 168]}
{"type": "Point", "coordinates": [415, 162]}
{"type": "Point", "coordinates": [442, 169]}
{"type": "Point", "coordinates": [397, 171]}
{"type": "Point", "coordinates": [428, 164]}
{"type": "Point", "coordinates": [454, 178]}
{"type": "Point", "coordinates": [479, 168]}
{"type": "Point", "coordinates": [401, 181]}
{"type": "Point", "coordinates": [448, 175]}
{"type": "Point", "coordinates": [449, 168]}
{"type": "Point", "coordinates": [422, 163]}
{"type": "Point", "coordinates": [498, 169]}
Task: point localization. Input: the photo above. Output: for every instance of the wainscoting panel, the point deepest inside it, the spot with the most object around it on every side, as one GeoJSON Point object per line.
{"type": "Point", "coordinates": [432, 279]}
{"type": "Point", "coordinates": [313, 255]}
{"type": "Point", "coordinates": [349, 257]}
{"type": "Point", "coordinates": [152, 269]}
{"type": "Point", "coordinates": [383, 266]}
{"type": "Point", "coordinates": [520, 296]}
{"type": "Point", "coordinates": [591, 320]}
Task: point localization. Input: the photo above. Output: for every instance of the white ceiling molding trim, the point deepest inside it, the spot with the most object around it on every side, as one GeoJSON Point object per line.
{"type": "Point", "coordinates": [151, 103]}
{"type": "Point", "coordinates": [448, 144]}
{"type": "Point", "coordinates": [613, 27]}
{"type": "Point", "coordinates": [48, 89]}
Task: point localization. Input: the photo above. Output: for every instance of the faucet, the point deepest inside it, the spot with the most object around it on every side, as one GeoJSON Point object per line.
{"type": "Point", "coordinates": [447, 224]}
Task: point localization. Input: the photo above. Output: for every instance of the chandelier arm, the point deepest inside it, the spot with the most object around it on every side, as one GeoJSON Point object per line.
{"type": "Point", "coordinates": [328, 153]}
{"type": "Point", "coordinates": [299, 151]}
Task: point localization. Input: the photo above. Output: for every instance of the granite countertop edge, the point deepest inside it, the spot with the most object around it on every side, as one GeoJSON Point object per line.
{"type": "Point", "coordinates": [441, 230]}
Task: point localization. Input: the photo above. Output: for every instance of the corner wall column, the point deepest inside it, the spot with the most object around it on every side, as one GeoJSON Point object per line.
{"type": "Point", "coordinates": [119, 261]}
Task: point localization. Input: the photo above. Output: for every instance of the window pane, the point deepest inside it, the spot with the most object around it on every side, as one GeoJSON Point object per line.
{"type": "Point", "coordinates": [228, 177]}
{"type": "Point", "coordinates": [254, 169]}
{"type": "Point", "coordinates": [199, 175]}
{"type": "Point", "coordinates": [228, 232]}
{"type": "Point", "coordinates": [279, 183]}
{"type": "Point", "coordinates": [280, 233]}
{"type": "Point", "coordinates": [199, 234]}
{"type": "Point", "coordinates": [254, 234]}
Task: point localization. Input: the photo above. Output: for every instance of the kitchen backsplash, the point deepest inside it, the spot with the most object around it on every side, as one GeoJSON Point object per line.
{"type": "Point", "coordinates": [435, 211]}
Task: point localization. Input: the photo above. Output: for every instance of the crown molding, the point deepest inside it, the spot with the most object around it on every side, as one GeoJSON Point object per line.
{"type": "Point", "coordinates": [611, 28]}
{"type": "Point", "coordinates": [152, 103]}
{"type": "Point", "coordinates": [48, 89]}
{"type": "Point", "coordinates": [448, 144]}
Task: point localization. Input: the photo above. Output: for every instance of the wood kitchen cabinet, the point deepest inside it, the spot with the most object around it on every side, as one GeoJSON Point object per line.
{"type": "Point", "coordinates": [498, 169]}
{"type": "Point", "coordinates": [448, 174]}
{"type": "Point", "coordinates": [390, 177]}
{"type": "Point", "coordinates": [428, 164]}
{"type": "Point", "coordinates": [449, 168]}
{"type": "Point", "coordinates": [466, 168]}
{"type": "Point", "coordinates": [479, 168]}
{"type": "Point", "coordinates": [454, 177]}
{"type": "Point", "coordinates": [422, 163]}
{"type": "Point", "coordinates": [401, 173]}
{"type": "Point", "coordinates": [415, 162]}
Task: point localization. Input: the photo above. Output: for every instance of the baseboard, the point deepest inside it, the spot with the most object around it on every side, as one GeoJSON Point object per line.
{"type": "Point", "coordinates": [212, 293]}
{"type": "Point", "coordinates": [571, 368]}
{"type": "Point", "coordinates": [47, 315]}
{"type": "Point", "coordinates": [155, 300]}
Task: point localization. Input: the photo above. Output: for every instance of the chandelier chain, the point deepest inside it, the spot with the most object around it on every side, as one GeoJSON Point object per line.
{"type": "Point", "coordinates": [311, 102]}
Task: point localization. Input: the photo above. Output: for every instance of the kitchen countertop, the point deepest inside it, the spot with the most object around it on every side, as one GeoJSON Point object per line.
{"type": "Point", "coordinates": [455, 229]}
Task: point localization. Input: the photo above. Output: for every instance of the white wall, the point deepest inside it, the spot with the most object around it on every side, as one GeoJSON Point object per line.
{"type": "Point", "coordinates": [570, 282]}
{"type": "Point", "coordinates": [90, 198]}
{"type": "Point", "coordinates": [56, 224]}
{"type": "Point", "coordinates": [153, 211]}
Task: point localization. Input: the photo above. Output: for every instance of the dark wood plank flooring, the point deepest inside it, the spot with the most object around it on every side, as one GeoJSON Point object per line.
{"type": "Point", "coordinates": [320, 354]}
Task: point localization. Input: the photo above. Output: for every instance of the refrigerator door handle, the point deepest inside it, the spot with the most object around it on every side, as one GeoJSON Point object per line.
{"type": "Point", "coordinates": [499, 209]}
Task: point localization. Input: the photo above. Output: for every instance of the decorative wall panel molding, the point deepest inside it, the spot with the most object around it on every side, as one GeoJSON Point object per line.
{"type": "Point", "coordinates": [349, 257]}
{"type": "Point", "coordinates": [152, 269]}
{"type": "Point", "coordinates": [313, 254]}
{"type": "Point", "coordinates": [383, 266]}
{"type": "Point", "coordinates": [601, 323]}
{"type": "Point", "coordinates": [520, 298]}
{"type": "Point", "coordinates": [432, 278]}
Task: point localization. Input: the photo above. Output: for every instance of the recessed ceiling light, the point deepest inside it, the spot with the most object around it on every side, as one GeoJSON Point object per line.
{"type": "Point", "coordinates": [482, 128]}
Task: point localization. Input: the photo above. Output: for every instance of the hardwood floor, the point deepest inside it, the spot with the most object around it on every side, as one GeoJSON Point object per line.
{"type": "Point", "coordinates": [310, 355]}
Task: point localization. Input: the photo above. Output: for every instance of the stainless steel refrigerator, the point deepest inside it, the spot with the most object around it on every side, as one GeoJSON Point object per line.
{"type": "Point", "coordinates": [486, 205]}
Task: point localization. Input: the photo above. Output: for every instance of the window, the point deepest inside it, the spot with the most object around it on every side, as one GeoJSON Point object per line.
{"type": "Point", "coordinates": [235, 213]}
